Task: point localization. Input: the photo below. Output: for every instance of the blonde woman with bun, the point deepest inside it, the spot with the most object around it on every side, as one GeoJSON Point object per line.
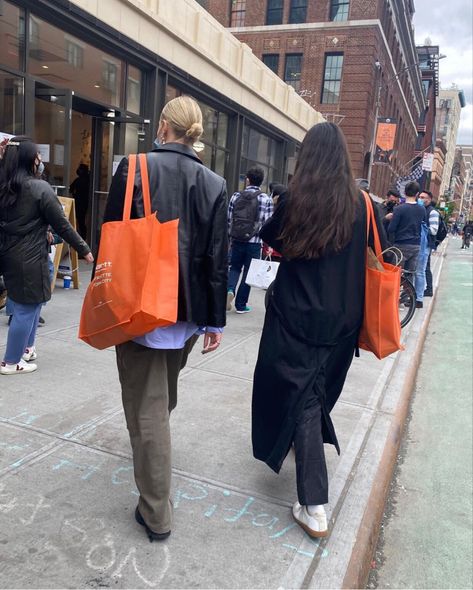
{"type": "Point", "coordinates": [181, 187]}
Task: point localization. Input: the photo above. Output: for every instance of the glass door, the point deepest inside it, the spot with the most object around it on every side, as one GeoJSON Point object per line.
{"type": "Point", "coordinates": [114, 137]}
{"type": "Point", "coordinates": [102, 172]}
{"type": "Point", "coordinates": [52, 125]}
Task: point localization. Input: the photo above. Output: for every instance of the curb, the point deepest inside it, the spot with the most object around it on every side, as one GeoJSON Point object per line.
{"type": "Point", "coordinates": [359, 566]}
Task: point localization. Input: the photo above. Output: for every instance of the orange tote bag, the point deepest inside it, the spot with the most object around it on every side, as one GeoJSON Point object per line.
{"type": "Point", "coordinates": [381, 329]}
{"type": "Point", "coordinates": [135, 287]}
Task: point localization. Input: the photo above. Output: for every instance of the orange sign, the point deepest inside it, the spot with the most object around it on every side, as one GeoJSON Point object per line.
{"type": "Point", "coordinates": [385, 138]}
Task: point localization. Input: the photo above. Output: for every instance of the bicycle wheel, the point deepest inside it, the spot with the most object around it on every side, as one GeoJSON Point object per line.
{"type": "Point", "coordinates": [407, 301]}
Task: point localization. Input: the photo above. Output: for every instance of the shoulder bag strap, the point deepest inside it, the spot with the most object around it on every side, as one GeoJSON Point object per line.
{"type": "Point", "coordinates": [145, 184]}
{"type": "Point", "coordinates": [130, 185]}
{"type": "Point", "coordinates": [370, 220]}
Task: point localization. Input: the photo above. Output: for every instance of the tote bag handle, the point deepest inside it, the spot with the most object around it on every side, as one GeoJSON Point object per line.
{"type": "Point", "coordinates": [130, 183]}
{"type": "Point", "coordinates": [370, 220]}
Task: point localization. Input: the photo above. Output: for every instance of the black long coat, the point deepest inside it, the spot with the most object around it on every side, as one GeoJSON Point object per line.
{"type": "Point", "coordinates": [23, 241]}
{"type": "Point", "coordinates": [182, 187]}
{"type": "Point", "coordinates": [315, 303]}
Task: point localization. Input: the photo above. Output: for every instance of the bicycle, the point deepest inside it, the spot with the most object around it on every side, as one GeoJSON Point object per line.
{"type": "Point", "coordinates": [407, 299]}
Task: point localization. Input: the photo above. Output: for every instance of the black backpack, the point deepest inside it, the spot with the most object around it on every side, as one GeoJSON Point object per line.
{"type": "Point", "coordinates": [442, 231]}
{"type": "Point", "coordinates": [245, 216]}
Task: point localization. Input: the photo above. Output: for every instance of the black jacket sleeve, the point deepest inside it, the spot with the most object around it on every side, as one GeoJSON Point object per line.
{"type": "Point", "coordinates": [116, 194]}
{"type": "Point", "coordinates": [271, 230]}
{"type": "Point", "coordinates": [52, 211]}
{"type": "Point", "coordinates": [217, 262]}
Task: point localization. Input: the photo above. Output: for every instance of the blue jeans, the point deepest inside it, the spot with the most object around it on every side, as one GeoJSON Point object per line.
{"type": "Point", "coordinates": [22, 330]}
{"type": "Point", "coordinates": [242, 255]}
{"type": "Point", "coordinates": [420, 279]}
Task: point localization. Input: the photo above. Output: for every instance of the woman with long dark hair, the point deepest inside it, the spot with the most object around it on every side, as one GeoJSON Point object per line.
{"type": "Point", "coordinates": [313, 318]}
{"type": "Point", "coordinates": [27, 207]}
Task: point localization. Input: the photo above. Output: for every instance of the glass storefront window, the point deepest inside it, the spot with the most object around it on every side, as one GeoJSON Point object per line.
{"type": "Point", "coordinates": [68, 62]}
{"type": "Point", "coordinates": [263, 151]}
{"type": "Point", "coordinates": [133, 90]}
{"type": "Point", "coordinates": [133, 139]}
{"type": "Point", "coordinates": [222, 130]}
{"type": "Point", "coordinates": [50, 124]}
{"type": "Point", "coordinates": [11, 103]}
{"type": "Point", "coordinates": [12, 35]}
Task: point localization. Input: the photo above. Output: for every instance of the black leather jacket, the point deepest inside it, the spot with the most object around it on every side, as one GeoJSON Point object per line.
{"type": "Point", "coordinates": [182, 187]}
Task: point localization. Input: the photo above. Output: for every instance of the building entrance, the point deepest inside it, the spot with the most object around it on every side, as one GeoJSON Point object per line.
{"type": "Point", "coordinates": [81, 143]}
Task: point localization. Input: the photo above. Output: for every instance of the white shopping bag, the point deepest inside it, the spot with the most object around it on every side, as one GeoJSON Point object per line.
{"type": "Point", "coordinates": [261, 273]}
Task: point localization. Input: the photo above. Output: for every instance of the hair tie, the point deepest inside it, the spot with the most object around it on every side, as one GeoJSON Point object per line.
{"type": "Point", "coordinates": [16, 143]}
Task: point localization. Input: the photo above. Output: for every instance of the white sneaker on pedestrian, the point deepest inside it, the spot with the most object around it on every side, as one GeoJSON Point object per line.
{"type": "Point", "coordinates": [21, 367]}
{"type": "Point", "coordinates": [314, 525]}
{"type": "Point", "coordinates": [30, 354]}
{"type": "Point", "coordinates": [230, 298]}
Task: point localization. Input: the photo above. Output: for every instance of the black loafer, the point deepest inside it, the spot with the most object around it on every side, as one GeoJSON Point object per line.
{"type": "Point", "coordinates": [152, 536]}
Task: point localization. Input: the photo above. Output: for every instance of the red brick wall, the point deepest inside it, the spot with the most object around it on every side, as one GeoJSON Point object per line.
{"type": "Point", "coordinates": [317, 11]}
{"type": "Point", "coordinates": [361, 47]}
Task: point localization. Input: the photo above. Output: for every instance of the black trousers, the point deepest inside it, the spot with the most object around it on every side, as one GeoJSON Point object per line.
{"type": "Point", "coordinates": [428, 277]}
{"type": "Point", "coordinates": [311, 468]}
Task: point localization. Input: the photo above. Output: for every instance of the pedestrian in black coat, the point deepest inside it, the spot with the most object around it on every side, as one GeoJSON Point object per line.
{"type": "Point", "coordinates": [28, 206]}
{"type": "Point", "coordinates": [313, 318]}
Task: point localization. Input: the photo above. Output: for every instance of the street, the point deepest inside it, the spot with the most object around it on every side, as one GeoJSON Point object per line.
{"type": "Point", "coordinates": [426, 533]}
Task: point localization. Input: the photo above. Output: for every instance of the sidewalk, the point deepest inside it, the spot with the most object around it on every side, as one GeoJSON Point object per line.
{"type": "Point", "coordinates": [67, 494]}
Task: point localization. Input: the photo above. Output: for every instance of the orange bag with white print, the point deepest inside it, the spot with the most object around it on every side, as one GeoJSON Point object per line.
{"type": "Point", "coordinates": [135, 287]}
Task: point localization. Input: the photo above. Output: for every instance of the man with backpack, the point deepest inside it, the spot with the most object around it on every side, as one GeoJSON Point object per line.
{"type": "Point", "coordinates": [247, 213]}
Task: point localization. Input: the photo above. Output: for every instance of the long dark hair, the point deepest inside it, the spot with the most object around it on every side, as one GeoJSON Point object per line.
{"type": "Point", "coordinates": [16, 166]}
{"type": "Point", "coordinates": [322, 196]}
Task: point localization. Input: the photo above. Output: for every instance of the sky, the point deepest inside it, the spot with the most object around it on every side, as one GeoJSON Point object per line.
{"type": "Point", "coordinates": [449, 24]}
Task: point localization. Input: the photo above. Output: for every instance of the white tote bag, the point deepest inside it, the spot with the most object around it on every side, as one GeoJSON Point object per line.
{"type": "Point", "coordinates": [262, 273]}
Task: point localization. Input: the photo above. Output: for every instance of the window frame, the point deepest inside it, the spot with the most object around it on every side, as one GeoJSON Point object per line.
{"type": "Point", "coordinates": [336, 4]}
{"type": "Point", "coordinates": [331, 80]}
{"type": "Point", "coordinates": [271, 10]}
{"type": "Point", "coordinates": [296, 83]}
{"type": "Point", "coordinates": [237, 13]}
{"type": "Point", "coordinates": [271, 55]}
{"type": "Point", "coordinates": [297, 5]}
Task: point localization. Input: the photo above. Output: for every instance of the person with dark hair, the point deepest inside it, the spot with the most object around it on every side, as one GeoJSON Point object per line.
{"type": "Point", "coordinates": [313, 318]}
{"type": "Point", "coordinates": [423, 280]}
{"type": "Point", "coordinates": [28, 206]}
{"type": "Point", "coordinates": [247, 212]}
{"type": "Point", "coordinates": [386, 209]}
{"type": "Point", "coordinates": [467, 232]}
{"type": "Point", "coordinates": [276, 190]}
{"type": "Point", "coordinates": [405, 227]}
{"type": "Point", "coordinates": [79, 189]}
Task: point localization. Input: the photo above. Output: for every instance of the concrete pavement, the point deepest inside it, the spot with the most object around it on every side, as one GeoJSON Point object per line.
{"type": "Point", "coordinates": [426, 539]}
{"type": "Point", "coordinates": [67, 494]}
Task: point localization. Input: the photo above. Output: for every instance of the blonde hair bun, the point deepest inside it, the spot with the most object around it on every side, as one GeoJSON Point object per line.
{"type": "Point", "coordinates": [194, 131]}
{"type": "Point", "coordinates": [185, 117]}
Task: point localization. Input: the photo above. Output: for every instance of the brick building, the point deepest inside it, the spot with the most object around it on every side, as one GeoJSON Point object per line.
{"type": "Point", "coordinates": [339, 55]}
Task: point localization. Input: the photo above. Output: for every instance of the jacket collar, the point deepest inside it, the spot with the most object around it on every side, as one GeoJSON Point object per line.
{"type": "Point", "coordinates": [178, 148]}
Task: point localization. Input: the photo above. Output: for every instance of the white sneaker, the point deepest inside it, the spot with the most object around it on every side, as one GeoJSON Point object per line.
{"type": "Point", "coordinates": [230, 298]}
{"type": "Point", "coordinates": [30, 354]}
{"type": "Point", "coordinates": [21, 367]}
{"type": "Point", "coordinates": [314, 525]}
